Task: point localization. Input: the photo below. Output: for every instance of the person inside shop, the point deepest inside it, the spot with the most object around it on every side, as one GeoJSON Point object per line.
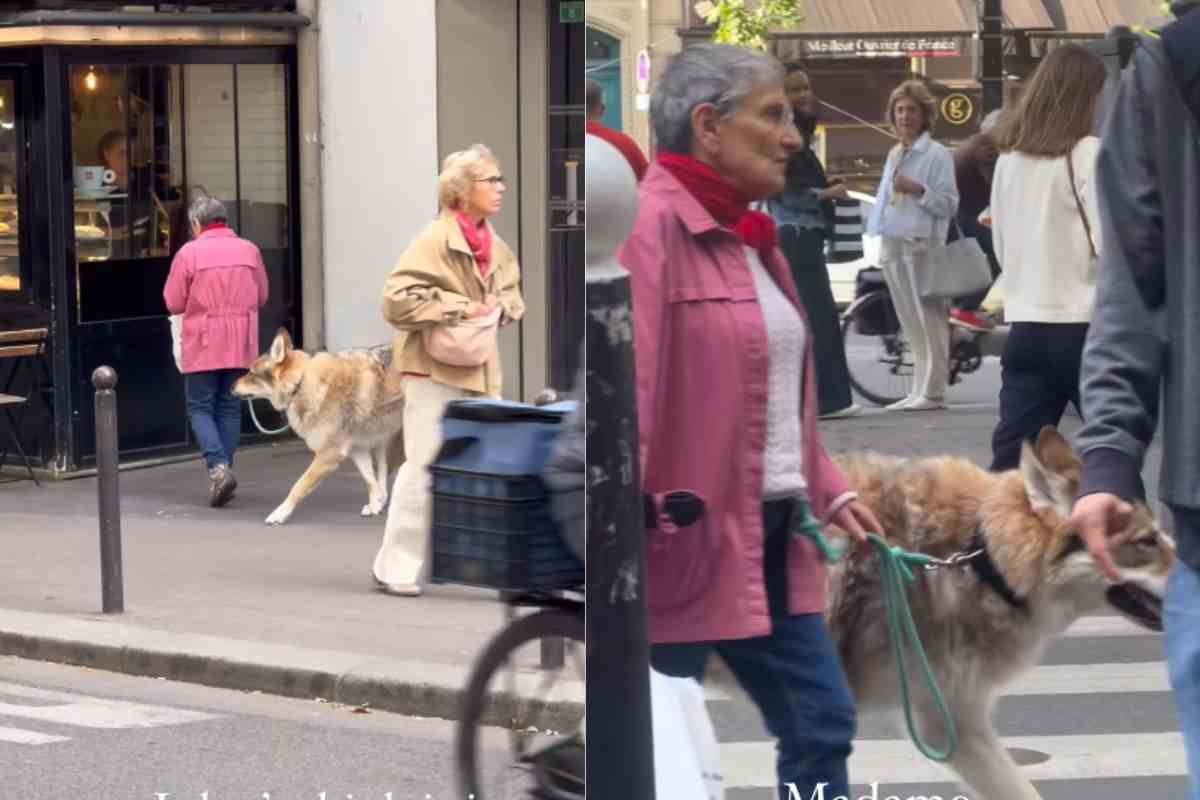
{"type": "Point", "coordinates": [113, 150]}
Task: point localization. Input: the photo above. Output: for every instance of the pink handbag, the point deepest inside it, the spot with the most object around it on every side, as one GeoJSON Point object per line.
{"type": "Point", "coordinates": [469, 343]}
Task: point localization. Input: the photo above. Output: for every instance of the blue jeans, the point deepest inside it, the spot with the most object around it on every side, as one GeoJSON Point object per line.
{"type": "Point", "coordinates": [794, 676]}
{"type": "Point", "coordinates": [215, 413]}
{"type": "Point", "coordinates": [1182, 643]}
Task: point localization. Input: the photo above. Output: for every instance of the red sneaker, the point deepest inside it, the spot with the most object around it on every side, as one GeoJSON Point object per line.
{"type": "Point", "coordinates": [970, 320]}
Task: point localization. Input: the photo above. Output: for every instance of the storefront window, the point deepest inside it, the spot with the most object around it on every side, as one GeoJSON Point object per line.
{"type": "Point", "coordinates": [10, 153]}
{"type": "Point", "coordinates": [145, 138]}
{"type": "Point", "coordinates": [125, 130]}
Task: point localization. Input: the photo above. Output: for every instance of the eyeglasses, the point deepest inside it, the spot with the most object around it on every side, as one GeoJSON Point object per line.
{"type": "Point", "coordinates": [495, 180]}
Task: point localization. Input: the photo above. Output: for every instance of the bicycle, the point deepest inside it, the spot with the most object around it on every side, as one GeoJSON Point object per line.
{"type": "Point", "coordinates": [547, 754]}
{"type": "Point", "coordinates": [877, 353]}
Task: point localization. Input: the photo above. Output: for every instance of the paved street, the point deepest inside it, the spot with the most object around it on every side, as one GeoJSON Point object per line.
{"type": "Point", "coordinates": [1095, 720]}
{"type": "Point", "coordinates": [68, 732]}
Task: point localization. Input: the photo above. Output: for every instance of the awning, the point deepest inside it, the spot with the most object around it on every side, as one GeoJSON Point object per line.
{"type": "Point", "coordinates": [1099, 17]}
{"type": "Point", "coordinates": [882, 18]}
{"type": "Point", "coordinates": [1019, 15]}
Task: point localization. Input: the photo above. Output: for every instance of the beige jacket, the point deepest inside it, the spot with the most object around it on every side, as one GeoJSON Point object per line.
{"type": "Point", "coordinates": [434, 281]}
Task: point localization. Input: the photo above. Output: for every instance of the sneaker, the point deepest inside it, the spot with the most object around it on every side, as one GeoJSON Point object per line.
{"type": "Point", "coordinates": [222, 485]}
{"type": "Point", "coordinates": [900, 405]}
{"type": "Point", "coordinates": [970, 320]}
{"type": "Point", "coordinates": [852, 410]}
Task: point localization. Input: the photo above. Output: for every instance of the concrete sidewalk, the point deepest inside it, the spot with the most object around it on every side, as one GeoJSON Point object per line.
{"type": "Point", "coordinates": [215, 596]}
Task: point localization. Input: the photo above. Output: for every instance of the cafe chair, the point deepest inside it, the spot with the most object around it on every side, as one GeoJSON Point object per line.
{"type": "Point", "coordinates": [22, 347]}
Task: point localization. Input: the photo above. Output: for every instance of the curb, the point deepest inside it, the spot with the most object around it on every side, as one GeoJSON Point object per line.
{"type": "Point", "coordinates": [411, 688]}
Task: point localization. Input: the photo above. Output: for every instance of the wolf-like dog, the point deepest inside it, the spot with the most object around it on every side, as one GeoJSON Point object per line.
{"type": "Point", "coordinates": [340, 404]}
{"type": "Point", "coordinates": [978, 641]}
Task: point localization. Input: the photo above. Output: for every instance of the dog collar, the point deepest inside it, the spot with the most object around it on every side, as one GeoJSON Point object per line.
{"type": "Point", "coordinates": [985, 569]}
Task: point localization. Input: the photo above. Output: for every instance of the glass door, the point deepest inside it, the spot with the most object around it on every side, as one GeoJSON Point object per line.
{"type": "Point", "coordinates": [566, 131]}
{"type": "Point", "coordinates": [15, 278]}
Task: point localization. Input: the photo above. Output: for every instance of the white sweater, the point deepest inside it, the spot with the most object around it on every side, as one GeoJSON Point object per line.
{"type": "Point", "coordinates": [1041, 243]}
{"type": "Point", "coordinates": [783, 475]}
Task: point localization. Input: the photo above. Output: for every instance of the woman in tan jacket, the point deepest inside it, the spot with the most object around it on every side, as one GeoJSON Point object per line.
{"type": "Point", "coordinates": [457, 268]}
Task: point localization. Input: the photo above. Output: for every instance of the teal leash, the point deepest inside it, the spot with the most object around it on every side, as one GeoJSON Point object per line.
{"type": "Point", "coordinates": [897, 572]}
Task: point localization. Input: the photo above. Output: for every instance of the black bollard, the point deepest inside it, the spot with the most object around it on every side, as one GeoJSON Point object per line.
{"type": "Point", "coordinates": [620, 752]}
{"type": "Point", "coordinates": [554, 651]}
{"type": "Point", "coordinates": [111, 582]}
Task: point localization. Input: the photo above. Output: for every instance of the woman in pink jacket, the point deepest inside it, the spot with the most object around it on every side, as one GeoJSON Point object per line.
{"type": "Point", "coordinates": [218, 283]}
{"type": "Point", "coordinates": [727, 408]}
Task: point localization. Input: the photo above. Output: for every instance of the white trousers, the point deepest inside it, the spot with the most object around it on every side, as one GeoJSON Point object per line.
{"type": "Point", "coordinates": [923, 321]}
{"type": "Point", "coordinates": [403, 558]}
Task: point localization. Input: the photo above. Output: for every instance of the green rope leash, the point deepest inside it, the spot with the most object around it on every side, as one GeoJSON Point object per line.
{"type": "Point", "coordinates": [897, 572]}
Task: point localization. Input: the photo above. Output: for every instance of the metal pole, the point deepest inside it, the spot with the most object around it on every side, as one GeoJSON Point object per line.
{"type": "Point", "coordinates": [620, 745]}
{"type": "Point", "coordinates": [111, 581]}
{"type": "Point", "coordinates": [553, 649]}
{"type": "Point", "coordinates": [991, 67]}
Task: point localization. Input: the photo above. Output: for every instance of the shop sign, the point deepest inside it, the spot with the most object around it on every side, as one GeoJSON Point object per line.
{"type": "Point", "coordinates": [570, 12]}
{"type": "Point", "coordinates": [957, 109]}
{"type": "Point", "coordinates": [908, 47]}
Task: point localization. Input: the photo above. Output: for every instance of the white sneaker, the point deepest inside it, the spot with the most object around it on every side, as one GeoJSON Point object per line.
{"type": "Point", "coordinates": [852, 410]}
{"type": "Point", "coordinates": [900, 405]}
{"type": "Point", "coordinates": [924, 404]}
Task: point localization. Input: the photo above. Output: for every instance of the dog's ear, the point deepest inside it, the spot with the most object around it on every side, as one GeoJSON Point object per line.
{"type": "Point", "coordinates": [1055, 452]}
{"type": "Point", "coordinates": [1048, 488]}
{"type": "Point", "coordinates": [282, 346]}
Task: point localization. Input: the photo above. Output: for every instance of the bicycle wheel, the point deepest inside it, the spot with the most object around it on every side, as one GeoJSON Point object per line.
{"type": "Point", "coordinates": [877, 353]}
{"type": "Point", "coordinates": [522, 739]}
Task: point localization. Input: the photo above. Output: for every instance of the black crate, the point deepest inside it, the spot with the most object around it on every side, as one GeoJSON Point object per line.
{"type": "Point", "coordinates": [500, 545]}
{"type": "Point", "coordinates": [459, 483]}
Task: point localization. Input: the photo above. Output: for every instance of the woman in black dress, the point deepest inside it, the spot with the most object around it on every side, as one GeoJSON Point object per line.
{"type": "Point", "coordinates": [803, 213]}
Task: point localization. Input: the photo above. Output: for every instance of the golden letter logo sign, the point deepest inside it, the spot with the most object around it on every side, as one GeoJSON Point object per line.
{"type": "Point", "coordinates": [957, 109]}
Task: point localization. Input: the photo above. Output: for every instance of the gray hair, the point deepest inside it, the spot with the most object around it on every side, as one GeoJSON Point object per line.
{"type": "Point", "coordinates": [720, 74]}
{"type": "Point", "coordinates": [205, 210]}
{"type": "Point", "coordinates": [459, 172]}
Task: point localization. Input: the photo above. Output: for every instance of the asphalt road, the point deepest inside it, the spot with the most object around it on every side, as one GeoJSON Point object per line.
{"type": "Point", "coordinates": [69, 733]}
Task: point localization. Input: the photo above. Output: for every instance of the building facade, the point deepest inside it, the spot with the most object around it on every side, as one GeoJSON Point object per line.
{"type": "Point", "coordinates": [856, 52]}
{"type": "Point", "coordinates": [322, 125]}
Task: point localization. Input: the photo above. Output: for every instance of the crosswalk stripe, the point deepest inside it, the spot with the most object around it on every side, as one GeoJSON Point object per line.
{"type": "Point", "coordinates": [1086, 627]}
{"type": "Point", "coordinates": [19, 736]}
{"type": "Point", "coordinates": [752, 764]}
{"type": "Point", "coordinates": [91, 712]}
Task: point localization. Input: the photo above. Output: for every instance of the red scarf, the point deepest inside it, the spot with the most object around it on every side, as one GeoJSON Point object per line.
{"type": "Point", "coordinates": [727, 205]}
{"type": "Point", "coordinates": [479, 239]}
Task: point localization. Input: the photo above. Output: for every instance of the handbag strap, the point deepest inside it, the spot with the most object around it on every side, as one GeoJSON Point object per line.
{"type": "Point", "coordinates": [1078, 205]}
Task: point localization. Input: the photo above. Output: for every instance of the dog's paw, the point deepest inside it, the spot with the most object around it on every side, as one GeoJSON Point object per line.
{"type": "Point", "coordinates": [279, 515]}
{"type": "Point", "coordinates": [374, 507]}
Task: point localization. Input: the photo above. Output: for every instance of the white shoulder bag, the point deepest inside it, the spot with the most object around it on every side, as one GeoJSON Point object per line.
{"type": "Point", "coordinates": [955, 269]}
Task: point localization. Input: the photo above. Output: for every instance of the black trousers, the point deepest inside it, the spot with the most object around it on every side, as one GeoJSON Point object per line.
{"type": "Point", "coordinates": [805, 251]}
{"type": "Point", "coordinates": [1039, 376]}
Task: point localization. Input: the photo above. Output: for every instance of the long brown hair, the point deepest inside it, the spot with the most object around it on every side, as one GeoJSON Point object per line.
{"type": "Point", "coordinates": [1058, 106]}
